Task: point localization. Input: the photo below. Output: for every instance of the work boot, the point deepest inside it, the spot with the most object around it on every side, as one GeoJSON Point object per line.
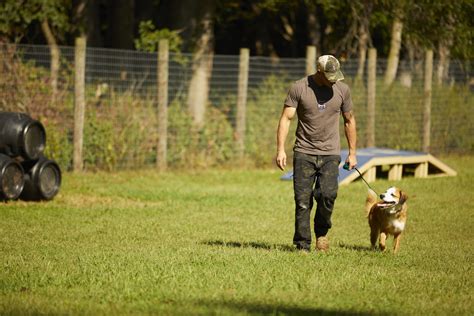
{"type": "Point", "coordinates": [322, 244]}
{"type": "Point", "coordinates": [303, 250]}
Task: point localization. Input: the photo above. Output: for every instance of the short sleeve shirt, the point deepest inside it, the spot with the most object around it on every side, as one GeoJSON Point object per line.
{"type": "Point", "coordinates": [318, 109]}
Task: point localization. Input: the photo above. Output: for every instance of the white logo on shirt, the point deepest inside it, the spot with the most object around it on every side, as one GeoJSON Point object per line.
{"type": "Point", "coordinates": [321, 107]}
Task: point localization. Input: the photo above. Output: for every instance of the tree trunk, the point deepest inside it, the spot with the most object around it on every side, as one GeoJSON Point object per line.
{"type": "Point", "coordinates": [202, 64]}
{"type": "Point", "coordinates": [362, 12]}
{"type": "Point", "coordinates": [363, 40]}
{"type": "Point", "coordinates": [395, 45]}
{"type": "Point", "coordinates": [314, 29]}
{"type": "Point", "coordinates": [55, 55]}
{"type": "Point", "coordinates": [443, 63]}
{"type": "Point", "coordinates": [406, 74]}
{"type": "Point", "coordinates": [444, 48]}
{"type": "Point", "coordinates": [194, 21]}
{"type": "Point", "coordinates": [79, 9]}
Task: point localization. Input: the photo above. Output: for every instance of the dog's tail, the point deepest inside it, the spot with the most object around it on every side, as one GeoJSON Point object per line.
{"type": "Point", "coordinates": [370, 201]}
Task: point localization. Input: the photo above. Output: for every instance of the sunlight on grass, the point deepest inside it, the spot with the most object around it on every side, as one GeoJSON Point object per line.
{"type": "Point", "coordinates": [219, 242]}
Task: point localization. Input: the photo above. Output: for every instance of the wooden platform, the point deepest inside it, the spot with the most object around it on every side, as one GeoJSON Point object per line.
{"type": "Point", "coordinates": [391, 164]}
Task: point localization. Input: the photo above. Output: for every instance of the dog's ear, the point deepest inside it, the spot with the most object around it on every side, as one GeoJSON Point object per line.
{"type": "Point", "coordinates": [403, 197]}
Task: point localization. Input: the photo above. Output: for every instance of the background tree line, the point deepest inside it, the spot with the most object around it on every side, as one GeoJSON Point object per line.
{"type": "Point", "coordinates": [196, 31]}
{"type": "Point", "coordinates": [279, 28]}
{"type": "Point", "coordinates": [275, 28]}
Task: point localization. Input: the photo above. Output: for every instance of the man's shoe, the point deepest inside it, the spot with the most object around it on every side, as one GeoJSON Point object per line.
{"type": "Point", "coordinates": [322, 244]}
{"type": "Point", "coordinates": [303, 250]}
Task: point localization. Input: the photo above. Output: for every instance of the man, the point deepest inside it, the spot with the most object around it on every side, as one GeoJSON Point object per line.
{"type": "Point", "coordinates": [318, 100]}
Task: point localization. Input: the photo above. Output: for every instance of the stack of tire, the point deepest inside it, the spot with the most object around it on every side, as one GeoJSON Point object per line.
{"type": "Point", "coordinates": [25, 173]}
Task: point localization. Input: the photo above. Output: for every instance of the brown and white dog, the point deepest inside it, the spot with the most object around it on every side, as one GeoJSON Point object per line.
{"type": "Point", "coordinates": [386, 217]}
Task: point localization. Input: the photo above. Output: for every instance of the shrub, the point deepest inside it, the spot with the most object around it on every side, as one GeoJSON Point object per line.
{"type": "Point", "coordinates": [264, 108]}
{"type": "Point", "coordinates": [190, 146]}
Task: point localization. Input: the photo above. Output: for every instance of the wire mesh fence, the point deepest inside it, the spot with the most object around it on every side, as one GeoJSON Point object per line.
{"type": "Point", "coordinates": [120, 129]}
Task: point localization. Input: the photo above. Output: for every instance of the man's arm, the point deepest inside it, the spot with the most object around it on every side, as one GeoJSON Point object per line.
{"type": "Point", "coordinates": [282, 132]}
{"type": "Point", "coordinates": [351, 135]}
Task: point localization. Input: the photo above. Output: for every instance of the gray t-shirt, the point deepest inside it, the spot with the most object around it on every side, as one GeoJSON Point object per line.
{"type": "Point", "coordinates": [318, 109]}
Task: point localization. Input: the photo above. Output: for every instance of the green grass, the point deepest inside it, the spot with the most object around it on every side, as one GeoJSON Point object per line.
{"type": "Point", "coordinates": [219, 242]}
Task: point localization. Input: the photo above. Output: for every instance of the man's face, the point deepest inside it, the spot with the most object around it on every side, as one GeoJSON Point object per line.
{"type": "Point", "coordinates": [324, 79]}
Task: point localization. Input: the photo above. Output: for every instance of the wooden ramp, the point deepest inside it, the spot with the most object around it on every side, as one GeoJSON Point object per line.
{"type": "Point", "coordinates": [392, 164]}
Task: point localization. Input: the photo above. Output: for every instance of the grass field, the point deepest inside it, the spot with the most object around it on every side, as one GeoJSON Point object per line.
{"type": "Point", "coordinates": [219, 242]}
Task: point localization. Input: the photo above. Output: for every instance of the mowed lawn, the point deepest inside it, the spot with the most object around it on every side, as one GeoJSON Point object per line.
{"type": "Point", "coordinates": [219, 242]}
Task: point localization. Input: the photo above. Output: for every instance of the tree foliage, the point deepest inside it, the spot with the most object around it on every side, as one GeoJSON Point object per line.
{"type": "Point", "coordinates": [17, 16]}
{"type": "Point", "coordinates": [267, 27]}
{"type": "Point", "coordinates": [149, 37]}
{"type": "Point", "coordinates": [432, 22]}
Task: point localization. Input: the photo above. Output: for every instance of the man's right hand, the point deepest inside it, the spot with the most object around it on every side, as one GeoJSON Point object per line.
{"type": "Point", "coordinates": [281, 159]}
{"type": "Point", "coordinates": [283, 127]}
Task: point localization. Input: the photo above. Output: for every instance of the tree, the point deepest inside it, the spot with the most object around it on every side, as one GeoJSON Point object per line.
{"type": "Point", "coordinates": [250, 24]}
{"type": "Point", "coordinates": [198, 92]}
{"type": "Point", "coordinates": [194, 21]}
{"type": "Point", "coordinates": [17, 16]}
{"type": "Point", "coordinates": [312, 24]}
{"type": "Point", "coordinates": [395, 45]}
{"type": "Point", "coordinates": [446, 25]}
{"type": "Point", "coordinates": [362, 11]}
{"type": "Point", "coordinates": [86, 22]}
{"type": "Point", "coordinates": [150, 37]}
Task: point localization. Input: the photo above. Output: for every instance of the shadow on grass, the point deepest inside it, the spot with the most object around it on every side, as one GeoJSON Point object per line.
{"type": "Point", "coordinates": [356, 247]}
{"type": "Point", "coordinates": [270, 309]}
{"type": "Point", "coordinates": [250, 244]}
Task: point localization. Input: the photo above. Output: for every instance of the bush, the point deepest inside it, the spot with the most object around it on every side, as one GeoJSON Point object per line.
{"type": "Point", "coordinates": [193, 147]}
{"type": "Point", "coordinates": [264, 108]}
{"type": "Point", "coordinates": [399, 117]}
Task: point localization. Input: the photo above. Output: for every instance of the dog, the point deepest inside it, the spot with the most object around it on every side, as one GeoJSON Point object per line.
{"type": "Point", "coordinates": [386, 217]}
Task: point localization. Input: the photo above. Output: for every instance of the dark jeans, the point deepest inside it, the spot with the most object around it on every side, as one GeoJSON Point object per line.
{"type": "Point", "coordinates": [313, 175]}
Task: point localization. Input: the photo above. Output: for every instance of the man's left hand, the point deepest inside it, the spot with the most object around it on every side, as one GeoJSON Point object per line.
{"type": "Point", "coordinates": [351, 160]}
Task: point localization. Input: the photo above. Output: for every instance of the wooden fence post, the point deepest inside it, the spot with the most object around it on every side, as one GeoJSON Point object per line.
{"type": "Point", "coordinates": [242, 100]}
{"type": "Point", "coordinates": [371, 86]}
{"type": "Point", "coordinates": [162, 75]}
{"type": "Point", "coordinates": [310, 60]}
{"type": "Point", "coordinates": [427, 100]}
{"type": "Point", "coordinates": [79, 101]}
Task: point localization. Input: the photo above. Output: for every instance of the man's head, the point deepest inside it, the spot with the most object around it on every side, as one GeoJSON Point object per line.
{"type": "Point", "coordinates": [330, 67]}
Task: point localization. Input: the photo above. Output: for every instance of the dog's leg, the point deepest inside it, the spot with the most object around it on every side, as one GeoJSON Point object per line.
{"type": "Point", "coordinates": [383, 238]}
{"type": "Point", "coordinates": [374, 234]}
{"type": "Point", "coordinates": [396, 242]}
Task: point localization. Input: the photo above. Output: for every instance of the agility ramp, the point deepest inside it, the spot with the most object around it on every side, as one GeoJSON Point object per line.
{"type": "Point", "coordinates": [392, 164]}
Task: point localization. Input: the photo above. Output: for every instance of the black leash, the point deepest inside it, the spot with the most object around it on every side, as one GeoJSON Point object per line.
{"type": "Point", "coordinates": [346, 167]}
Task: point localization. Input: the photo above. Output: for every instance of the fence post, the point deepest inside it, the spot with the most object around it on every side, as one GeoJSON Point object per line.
{"type": "Point", "coordinates": [162, 75]}
{"type": "Point", "coordinates": [79, 101]}
{"type": "Point", "coordinates": [242, 100]}
{"type": "Point", "coordinates": [371, 86]}
{"type": "Point", "coordinates": [427, 100]}
{"type": "Point", "coordinates": [310, 60]}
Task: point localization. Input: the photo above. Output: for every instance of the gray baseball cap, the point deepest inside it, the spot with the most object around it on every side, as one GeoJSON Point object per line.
{"type": "Point", "coordinates": [330, 66]}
